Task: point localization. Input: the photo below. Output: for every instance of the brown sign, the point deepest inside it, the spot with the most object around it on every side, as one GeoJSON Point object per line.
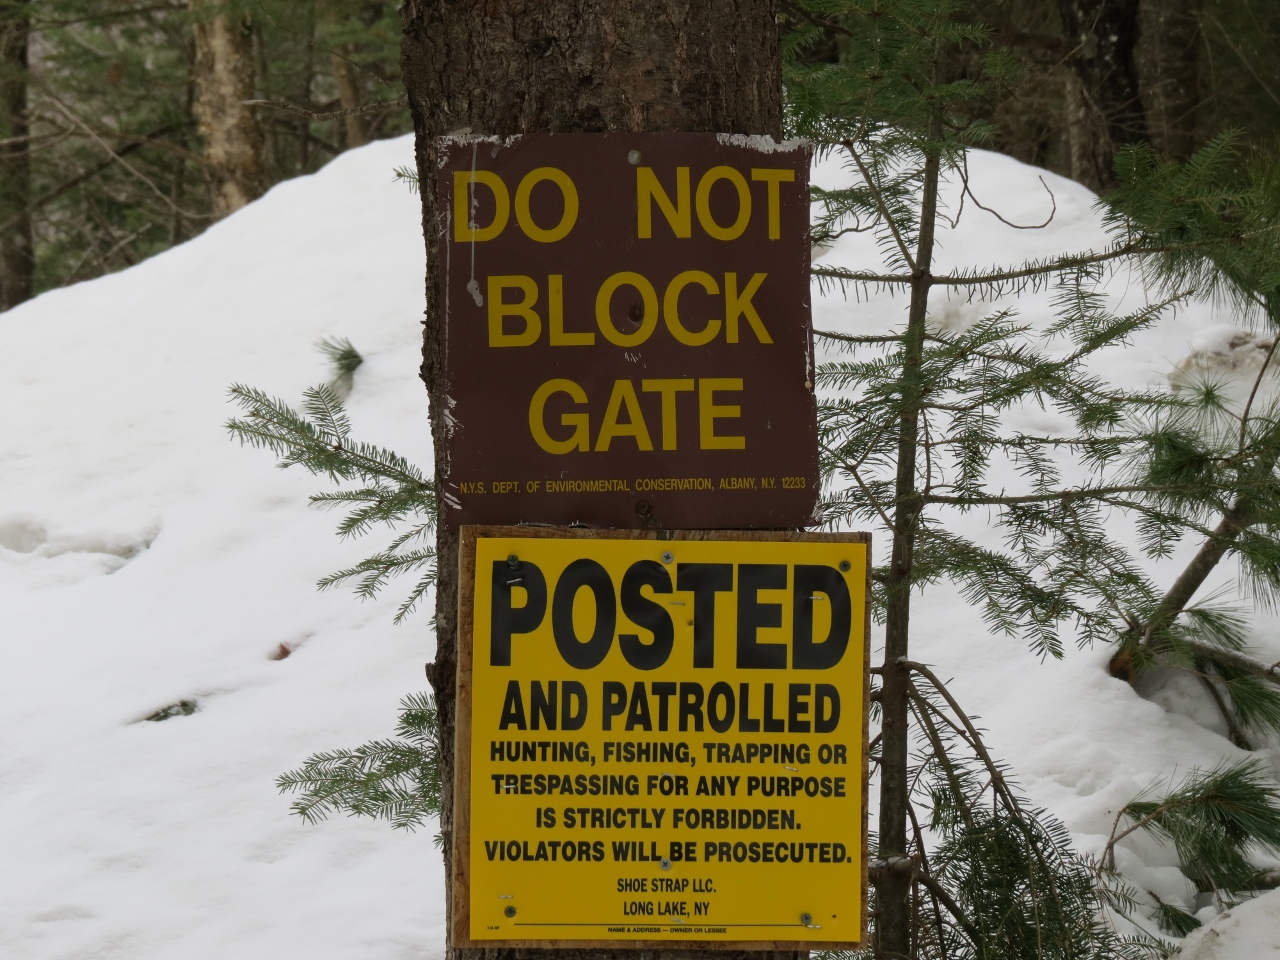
{"type": "Point", "coordinates": [628, 330]}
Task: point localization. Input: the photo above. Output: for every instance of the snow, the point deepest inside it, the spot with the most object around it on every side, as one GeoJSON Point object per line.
{"type": "Point", "coordinates": [1251, 930]}
{"type": "Point", "coordinates": [145, 559]}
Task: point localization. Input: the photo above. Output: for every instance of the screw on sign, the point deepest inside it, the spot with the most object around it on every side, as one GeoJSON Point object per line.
{"type": "Point", "coordinates": [628, 338]}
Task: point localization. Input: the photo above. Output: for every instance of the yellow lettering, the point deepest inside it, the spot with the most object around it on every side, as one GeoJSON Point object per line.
{"type": "Point", "coordinates": [739, 304]}
{"type": "Point", "coordinates": [709, 412]}
{"type": "Point", "coordinates": [774, 176]}
{"type": "Point", "coordinates": [624, 394]}
{"type": "Point", "coordinates": [498, 337]}
{"type": "Point", "coordinates": [604, 300]}
{"type": "Point", "coordinates": [555, 317]}
{"type": "Point", "coordinates": [464, 203]}
{"type": "Point", "coordinates": [568, 192]}
{"type": "Point", "coordinates": [580, 439]}
{"type": "Point", "coordinates": [668, 389]}
{"type": "Point", "coordinates": [648, 189]}
{"type": "Point", "coordinates": [671, 308]}
{"type": "Point", "coordinates": [703, 203]}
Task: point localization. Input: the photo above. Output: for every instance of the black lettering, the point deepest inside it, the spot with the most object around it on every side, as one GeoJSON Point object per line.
{"type": "Point", "coordinates": [720, 692]}
{"type": "Point", "coordinates": [613, 703]}
{"type": "Point", "coordinates": [797, 707]}
{"type": "Point", "coordinates": [542, 705]}
{"type": "Point", "coordinates": [745, 723]}
{"type": "Point", "coordinates": [638, 715]}
{"type": "Point", "coordinates": [772, 724]}
{"type": "Point", "coordinates": [513, 707]}
{"type": "Point", "coordinates": [573, 705]}
{"type": "Point", "coordinates": [806, 652]}
{"type": "Point", "coordinates": [826, 710]}
{"type": "Point", "coordinates": [754, 615]}
{"type": "Point", "coordinates": [590, 574]}
{"type": "Point", "coordinates": [691, 706]}
{"type": "Point", "coordinates": [504, 619]}
{"type": "Point", "coordinates": [705, 580]}
{"type": "Point", "coordinates": [664, 692]}
{"type": "Point", "coordinates": [648, 614]}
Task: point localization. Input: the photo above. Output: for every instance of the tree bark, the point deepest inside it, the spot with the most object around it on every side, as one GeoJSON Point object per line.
{"type": "Point", "coordinates": [509, 67]}
{"type": "Point", "coordinates": [224, 78]}
{"type": "Point", "coordinates": [344, 72]}
{"type": "Point", "coordinates": [893, 875]}
{"type": "Point", "coordinates": [1103, 37]}
{"type": "Point", "coordinates": [17, 247]}
{"type": "Point", "coordinates": [1088, 162]}
{"type": "Point", "coordinates": [1169, 71]}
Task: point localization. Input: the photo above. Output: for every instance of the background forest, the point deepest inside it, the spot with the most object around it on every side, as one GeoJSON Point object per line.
{"type": "Point", "coordinates": [124, 131]}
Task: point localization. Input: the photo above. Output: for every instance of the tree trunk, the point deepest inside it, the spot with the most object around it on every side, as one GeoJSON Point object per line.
{"type": "Point", "coordinates": [344, 72]}
{"type": "Point", "coordinates": [1169, 70]}
{"type": "Point", "coordinates": [224, 79]}
{"type": "Point", "coordinates": [893, 870]}
{"type": "Point", "coordinates": [506, 67]}
{"type": "Point", "coordinates": [1089, 163]}
{"type": "Point", "coordinates": [1103, 36]}
{"type": "Point", "coordinates": [17, 249]}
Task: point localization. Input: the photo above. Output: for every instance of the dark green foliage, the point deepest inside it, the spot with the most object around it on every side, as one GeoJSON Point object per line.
{"type": "Point", "coordinates": [346, 360]}
{"type": "Point", "coordinates": [1213, 819]}
{"type": "Point", "coordinates": [997, 879]}
{"type": "Point", "coordinates": [1009, 868]}
{"type": "Point", "coordinates": [917, 428]}
{"type": "Point", "coordinates": [390, 491]}
{"type": "Point", "coordinates": [1216, 224]}
{"type": "Point", "coordinates": [182, 708]}
{"type": "Point", "coordinates": [117, 165]}
{"type": "Point", "coordinates": [1059, 564]}
{"type": "Point", "coordinates": [393, 780]}
{"type": "Point", "coordinates": [1174, 921]}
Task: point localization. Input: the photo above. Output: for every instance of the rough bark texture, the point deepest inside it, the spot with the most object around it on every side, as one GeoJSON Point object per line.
{"type": "Point", "coordinates": [1169, 68]}
{"type": "Point", "coordinates": [224, 79]}
{"type": "Point", "coordinates": [17, 251]}
{"type": "Point", "coordinates": [893, 873]}
{"type": "Point", "coordinates": [1103, 37]}
{"type": "Point", "coordinates": [344, 72]}
{"type": "Point", "coordinates": [518, 66]}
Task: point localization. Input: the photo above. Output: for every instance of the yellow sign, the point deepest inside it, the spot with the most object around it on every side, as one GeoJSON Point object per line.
{"type": "Point", "coordinates": [665, 739]}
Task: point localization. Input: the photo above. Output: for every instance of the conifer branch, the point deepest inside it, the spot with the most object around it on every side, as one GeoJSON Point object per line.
{"type": "Point", "coordinates": [877, 195]}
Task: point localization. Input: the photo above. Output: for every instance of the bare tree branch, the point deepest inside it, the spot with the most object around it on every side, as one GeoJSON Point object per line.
{"type": "Point", "coordinates": [116, 157]}
{"type": "Point", "coordinates": [332, 114]}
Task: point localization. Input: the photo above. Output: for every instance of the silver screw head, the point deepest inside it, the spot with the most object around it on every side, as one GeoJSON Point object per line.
{"type": "Point", "coordinates": [667, 556]}
{"type": "Point", "coordinates": [633, 157]}
{"type": "Point", "coordinates": [805, 918]}
{"type": "Point", "coordinates": [665, 864]}
{"type": "Point", "coordinates": [513, 561]}
{"type": "Point", "coordinates": [845, 566]}
{"type": "Point", "coordinates": [511, 912]}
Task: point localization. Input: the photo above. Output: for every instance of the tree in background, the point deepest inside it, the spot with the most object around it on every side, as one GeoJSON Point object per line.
{"type": "Point", "coordinates": [1105, 103]}
{"type": "Point", "coordinates": [917, 420]}
{"type": "Point", "coordinates": [121, 168]}
{"type": "Point", "coordinates": [17, 255]}
{"type": "Point", "coordinates": [1098, 74]}
{"type": "Point", "coordinates": [137, 136]}
{"type": "Point", "coordinates": [224, 79]}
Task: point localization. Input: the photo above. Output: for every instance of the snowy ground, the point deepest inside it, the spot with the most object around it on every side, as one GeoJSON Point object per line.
{"type": "Point", "coordinates": [145, 559]}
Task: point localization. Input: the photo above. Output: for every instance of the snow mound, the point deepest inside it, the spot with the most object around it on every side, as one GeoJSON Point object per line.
{"type": "Point", "coordinates": [146, 562]}
{"type": "Point", "coordinates": [150, 567]}
{"type": "Point", "coordinates": [1251, 930]}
